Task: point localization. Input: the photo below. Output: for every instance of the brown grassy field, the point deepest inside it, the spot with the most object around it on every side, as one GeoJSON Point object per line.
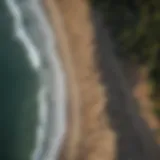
{"type": "Point", "coordinates": [139, 81]}
{"type": "Point", "coordinates": [89, 135]}
{"type": "Point", "coordinates": [142, 91]}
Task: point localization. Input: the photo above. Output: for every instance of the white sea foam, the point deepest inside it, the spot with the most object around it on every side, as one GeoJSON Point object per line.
{"type": "Point", "coordinates": [21, 34]}
{"type": "Point", "coordinates": [41, 129]}
{"type": "Point", "coordinates": [57, 128]}
{"type": "Point", "coordinates": [59, 87]}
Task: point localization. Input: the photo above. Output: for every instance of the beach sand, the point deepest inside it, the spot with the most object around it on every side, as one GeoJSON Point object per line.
{"type": "Point", "coordinates": [89, 135]}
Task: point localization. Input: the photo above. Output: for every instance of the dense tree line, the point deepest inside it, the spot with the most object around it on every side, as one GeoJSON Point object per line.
{"type": "Point", "coordinates": [136, 26]}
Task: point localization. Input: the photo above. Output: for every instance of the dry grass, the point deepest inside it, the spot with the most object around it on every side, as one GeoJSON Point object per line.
{"type": "Point", "coordinates": [142, 91]}
{"type": "Point", "coordinates": [90, 137]}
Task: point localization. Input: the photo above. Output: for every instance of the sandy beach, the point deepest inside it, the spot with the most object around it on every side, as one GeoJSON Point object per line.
{"type": "Point", "coordinates": [89, 136]}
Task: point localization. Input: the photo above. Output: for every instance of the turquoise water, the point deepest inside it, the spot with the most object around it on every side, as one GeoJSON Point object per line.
{"type": "Point", "coordinates": [18, 89]}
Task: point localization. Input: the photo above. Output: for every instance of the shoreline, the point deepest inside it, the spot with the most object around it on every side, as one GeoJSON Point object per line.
{"type": "Point", "coordinates": [88, 125]}
{"type": "Point", "coordinates": [50, 120]}
{"type": "Point", "coordinates": [56, 119]}
{"type": "Point", "coordinates": [72, 136]}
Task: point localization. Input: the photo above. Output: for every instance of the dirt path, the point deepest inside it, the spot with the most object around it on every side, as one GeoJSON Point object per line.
{"type": "Point", "coordinates": [135, 141]}
{"type": "Point", "coordinates": [89, 134]}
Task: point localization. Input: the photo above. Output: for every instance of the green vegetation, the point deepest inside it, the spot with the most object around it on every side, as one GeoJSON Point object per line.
{"type": "Point", "coordinates": [136, 26]}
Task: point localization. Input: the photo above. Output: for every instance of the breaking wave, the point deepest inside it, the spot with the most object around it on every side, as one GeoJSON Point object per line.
{"type": "Point", "coordinates": [32, 30]}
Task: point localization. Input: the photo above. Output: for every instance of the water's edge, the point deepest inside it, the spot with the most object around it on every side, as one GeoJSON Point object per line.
{"type": "Point", "coordinates": [33, 31]}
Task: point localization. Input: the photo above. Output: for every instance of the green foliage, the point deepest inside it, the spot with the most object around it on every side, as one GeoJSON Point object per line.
{"type": "Point", "coordinates": [156, 111]}
{"type": "Point", "coordinates": [136, 26]}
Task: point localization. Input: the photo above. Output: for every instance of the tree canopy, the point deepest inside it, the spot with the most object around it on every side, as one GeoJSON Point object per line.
{"type": "Point", "coordinates": [136, 26]}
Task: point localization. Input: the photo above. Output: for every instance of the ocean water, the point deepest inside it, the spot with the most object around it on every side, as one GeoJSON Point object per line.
{"type": "Point", "coordinates": [32, 84]}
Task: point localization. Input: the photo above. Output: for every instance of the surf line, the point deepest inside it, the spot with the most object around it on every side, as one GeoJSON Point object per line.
{"type": "Point", "coordinates": [59, 85]}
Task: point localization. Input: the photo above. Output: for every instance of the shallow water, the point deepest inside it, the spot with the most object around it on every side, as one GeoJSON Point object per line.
{"type": "Point", "coordinates": [18, 87]}
{"type": "Point", "coordinates": [32, 88]}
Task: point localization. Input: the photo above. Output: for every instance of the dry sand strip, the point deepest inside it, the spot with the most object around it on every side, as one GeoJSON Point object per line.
{"type": "Point", "coordinates": [90, 136]}
{"type": "Point", "coordinates": [73, 128]}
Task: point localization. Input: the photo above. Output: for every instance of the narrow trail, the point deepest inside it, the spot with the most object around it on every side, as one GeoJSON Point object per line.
{"type": "Point", "coordinates": [135, 141]}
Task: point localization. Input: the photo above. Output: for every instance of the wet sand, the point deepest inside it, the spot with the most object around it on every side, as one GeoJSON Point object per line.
{"type": "Point", "coordinates": [89, 135]}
